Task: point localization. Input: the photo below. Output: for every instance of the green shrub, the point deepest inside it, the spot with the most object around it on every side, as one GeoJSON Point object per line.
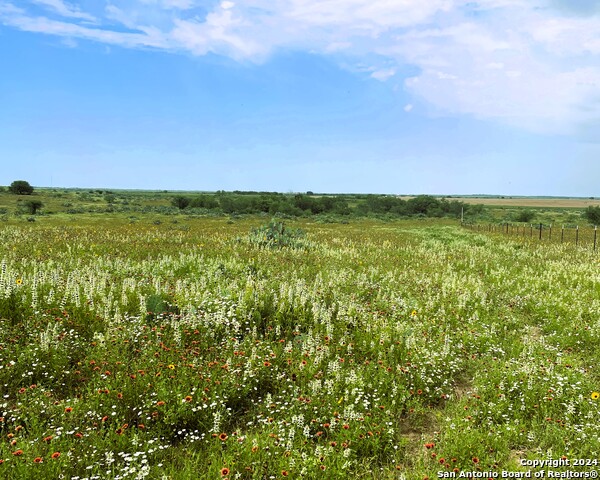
{"type": "Point", "coordinates": [159, 305]}
{"type": "Point", "coordinates": [525, 216]}
{"type": "Point", "coordinates": [32, 206]}
{"type": "Point", "coordinates": [180, 202]}
{"type": "Point", "coordinates": [276, 235]}
{"type": "Point", "coordinates": [13, 308]}
{"type": "Point", "coordinates": [592, 214]}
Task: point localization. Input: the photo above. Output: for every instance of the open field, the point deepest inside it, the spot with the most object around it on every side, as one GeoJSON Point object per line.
{"type": "Point", "coordinates": [189, 349]}
{"type": "Point", "coordinates": [534, 202]}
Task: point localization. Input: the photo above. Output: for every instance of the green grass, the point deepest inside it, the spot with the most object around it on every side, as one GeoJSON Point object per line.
{"type": "Point", "coordinates": [187, 350]}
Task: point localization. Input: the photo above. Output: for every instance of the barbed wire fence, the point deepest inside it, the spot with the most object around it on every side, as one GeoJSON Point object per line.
{"type": "Point", "coordinates": [574, 234]}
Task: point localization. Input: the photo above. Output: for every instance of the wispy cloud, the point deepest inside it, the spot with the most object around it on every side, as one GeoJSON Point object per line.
{"type": "Point", "coordinates": [64, 9]}
{"type": "Point", "coordinates": [530, 63]}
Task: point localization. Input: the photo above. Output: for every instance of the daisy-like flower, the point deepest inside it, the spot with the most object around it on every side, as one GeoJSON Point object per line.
{"type": "Point", "coordinates": [19, 281]}
{"type": "Point", "coordinates": [224, 471]}
{"type": "Point", "coordinates": [223, 437]}
{"type": "Point", "coordinates": [55, 455]}
{"type": "Point", "coordinates": [595, 395]}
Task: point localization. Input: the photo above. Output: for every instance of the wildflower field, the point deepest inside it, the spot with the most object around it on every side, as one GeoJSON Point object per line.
{"type": "Point", "coordinates": [206, 349]}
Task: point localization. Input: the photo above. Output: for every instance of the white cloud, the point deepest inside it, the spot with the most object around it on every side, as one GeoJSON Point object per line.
{"type": "Point", "coordinates": [63, 29]}
{"type": "Point", "coordinates": [171, 4]}
{"type": "Point", "coordinates": [520, 62]}
{"type": "Point", "coordinates": [383, 74]}
{"type": "Point", "coordinates": [9, 9]}
{"type": "Point", "coordinates": [64, 9]}
{"type": "Point", "coordinates": [568, 36]}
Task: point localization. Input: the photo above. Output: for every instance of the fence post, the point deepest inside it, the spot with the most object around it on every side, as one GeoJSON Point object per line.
{"type": "Point", "coordinates": [577, 235]}
{"type": "Point", "coordinates": [550, 234]}
{"type": "Point", "coordinates": [531, 229]}
{"type": "Point", "coordinates": [562, 233]}
{"type": "Point", "coordinates": [541, 231]}
{"type": "Point", "coordinates": [595, 233]}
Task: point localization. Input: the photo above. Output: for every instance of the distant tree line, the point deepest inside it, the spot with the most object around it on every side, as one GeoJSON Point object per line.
{"type": "Point", "coordinates": [310, 204]}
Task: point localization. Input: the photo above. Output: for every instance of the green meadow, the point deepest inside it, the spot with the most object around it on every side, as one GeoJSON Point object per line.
{"type": "Point", "coordinates": [160, 346]}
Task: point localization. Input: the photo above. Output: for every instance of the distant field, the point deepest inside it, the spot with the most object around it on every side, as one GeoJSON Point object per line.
{"type": "Point", "coordinates": [531, 202]}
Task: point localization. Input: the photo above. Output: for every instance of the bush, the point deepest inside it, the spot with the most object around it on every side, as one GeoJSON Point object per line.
{"type": "Point", "coordinates": [157, 305]}
{"type": "Point", "coordinates": [32, 206]}
{"type": "Point", "coordinates": [204, 201]}
{"type": "Point", "coordinates": [525, 216]}
{"type": "Point", "coordinates": [592, 214]}
{"type": "Point", "coordinates": [276, 235]}
{"type": "Point", "coordinates": [181, 202]}
{"type": "Point", "coordinates": [20, 187]}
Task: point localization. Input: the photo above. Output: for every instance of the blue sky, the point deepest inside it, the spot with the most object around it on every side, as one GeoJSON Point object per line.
{"type": "Point", "coordinates": [380, 96]}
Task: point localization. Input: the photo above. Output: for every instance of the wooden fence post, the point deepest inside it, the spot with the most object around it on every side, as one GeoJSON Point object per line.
{"type": "Point", "coordinates": [577, 235]}
{"type": "Point", "coordinates": [595, 233]}
{"type": "Point", "coordinates": [550, 234]}
{"type": "Point", "coordinates": [562, 233]}
{"type": "Point", "coordinates": [541, 231]}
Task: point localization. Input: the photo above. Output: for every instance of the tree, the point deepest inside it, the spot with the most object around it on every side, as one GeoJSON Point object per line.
{"type": "Point", "coordinates": [525, 216]}
{"type": "Point", "coordinates": [20, 187]}
{"type": "Point", "coordinates": [592, 214]}
{"type": "Point", "coordinates": [181, 202]}
{"type": "Point", "coordinates": [33, 206]}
